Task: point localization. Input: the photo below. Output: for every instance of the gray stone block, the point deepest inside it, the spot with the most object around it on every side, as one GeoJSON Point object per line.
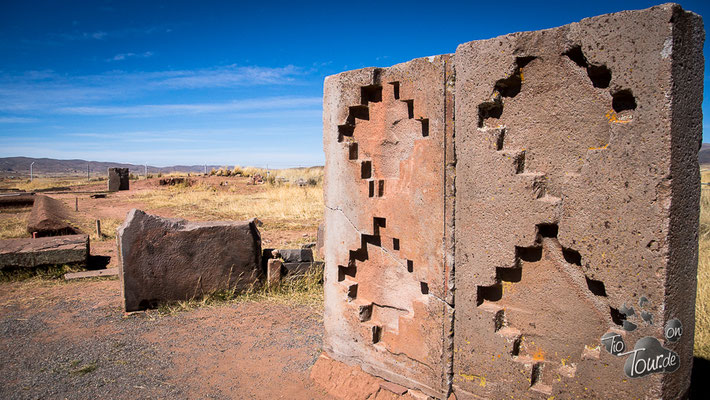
{"type": "Point", "coordinates": [162, 260]}
{"type": "Point", "coordinates": [296, 255]}
{"type": "Point", "coordinates": [118, 179]}
{"type": "Point", "coordinates": [56, 250]}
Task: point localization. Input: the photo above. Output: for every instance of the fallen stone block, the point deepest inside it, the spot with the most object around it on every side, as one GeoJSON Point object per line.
{"type": "Point", "coordinates": [16, 199]}
{"type": "Point", "coordinates": [118, 179]}
{"type": "Point", "coordinates": [57, 250]}
{"type": "Point", "coordinates": [50, 217]}
{"type": "Point", "coordinates": [162, 260]}
{"type": "Point", "coordinates": [91, 274]}
{"type": "Point", "coordinates": [296, 255]}
{"type": "Point", "coordinates": [300, 268]}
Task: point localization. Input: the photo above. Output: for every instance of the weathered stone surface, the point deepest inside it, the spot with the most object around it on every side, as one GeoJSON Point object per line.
{"type": "Point", "coordinates": [300, 268]}
{"type": "Point", "coordinates": [16, 199]}
{"type": "Point", "coordinates": [320, 237]}
{"type": "Point", "coordinates": [576, 211]}
{"type": "Point", "coordinates": [347, 382]}
{"type": "Point", "coordinates": [58, 250]}
{"type": "Point", "coordinates": [385, 135]}
{"type": "Point", "coordinates": [50, 217]}
{"type": "Point", "coordinates": [296, 255]}
{"type": "Point", "coordinates": [164, 259]}
{"type": "Point", "coordinates": [273, 271]}
{"type": "Point", "coordinates": [118, 179]}
{"type": "Point", "coordinates": [577, 192]}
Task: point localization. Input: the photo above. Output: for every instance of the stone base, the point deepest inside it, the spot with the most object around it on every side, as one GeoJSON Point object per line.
{"type": "Point", "coordinates": [346, 382]}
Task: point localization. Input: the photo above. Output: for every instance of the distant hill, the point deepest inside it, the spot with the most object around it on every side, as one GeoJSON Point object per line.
{"type": "Point", "coordinates": [20, 166]}
{"type": "Point", "coordinates": [704, 154]}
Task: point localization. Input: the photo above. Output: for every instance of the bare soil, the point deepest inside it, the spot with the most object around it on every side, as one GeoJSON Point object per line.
{"type": "Point", "coordinates": [71, 340]}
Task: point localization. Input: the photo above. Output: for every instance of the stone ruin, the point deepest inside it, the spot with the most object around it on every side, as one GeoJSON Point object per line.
{"type": "Point", "coordinates": [118, 179]}
{"type": "Point", "coordinates": [519, 219]}
{"type": "Point", "coordinates": [163, 260]}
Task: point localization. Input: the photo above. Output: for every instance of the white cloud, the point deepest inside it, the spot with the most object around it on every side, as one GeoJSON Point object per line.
{"type": "Point", "coordinates": [123, 56]}
{"type": "Point", "coordinates": [16, 120]}
{"type": "Point", "coordinates": [200, 108]}
{"type": "Point", "coordinates": [45, 90]}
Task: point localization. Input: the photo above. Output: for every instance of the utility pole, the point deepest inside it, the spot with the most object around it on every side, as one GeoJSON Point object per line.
{"type": "Point", "coordinates": [88, 172]}
{"type": "Point", "coordinates": [31, 172]}
{"type": "Point", "coordinates": [146, 171]}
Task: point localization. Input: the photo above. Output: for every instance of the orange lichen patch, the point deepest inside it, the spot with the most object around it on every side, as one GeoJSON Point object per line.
{"type": "Point", "coordinates": [539, 355]}
{"type": "Point", "coordinates": [601, 148]}
{"type": "Point", "coordinates": [613, 117]}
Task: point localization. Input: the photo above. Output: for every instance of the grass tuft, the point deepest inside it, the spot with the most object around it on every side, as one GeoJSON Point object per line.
{"type": "Point", "coordinates": [702, 302]}
{"type": "Point", "coordinates": [305, 290]}
{"type": "Point", "coordinates": [38, 273]}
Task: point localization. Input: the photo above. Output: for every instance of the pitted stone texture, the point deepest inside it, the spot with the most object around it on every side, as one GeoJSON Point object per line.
{"type": "Point", "coordinates": [118, 179]}
{"type": "Point", "coordinates": [30, 253]}
{"type": "Point", "coordinates": [577, 192]}
{"type": "Point", "coordinates": [50, 217]}
{"type": "Point", "coordinates": [385, 131]}
{"type": "Point", "coordinates": [164, 259]}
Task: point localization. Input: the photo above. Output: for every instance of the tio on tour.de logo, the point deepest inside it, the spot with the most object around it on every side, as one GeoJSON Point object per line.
{"type": "Point", "coordinates": [648, 355]}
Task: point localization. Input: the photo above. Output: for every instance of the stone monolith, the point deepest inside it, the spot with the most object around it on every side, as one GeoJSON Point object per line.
{"type": "Point", "coordinates": [563, 213]}
{"type": "Point", "coordinates": [118, 179]}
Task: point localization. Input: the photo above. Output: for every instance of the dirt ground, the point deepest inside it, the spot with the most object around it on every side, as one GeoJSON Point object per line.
{"type": "Point", "coordinates": [71, 340]}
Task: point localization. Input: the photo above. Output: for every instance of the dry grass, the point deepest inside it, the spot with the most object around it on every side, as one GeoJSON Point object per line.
{"type": "Point", "coordinates": [45, 183]}
{"type": "Point", "coordinates": [13, 225]}
{"type": "Point", "coordinates": [306, 290]}
{"type": "Point", "coordinates": [702, 302]}
{"type": "Point", "coordinates": [283, 207]}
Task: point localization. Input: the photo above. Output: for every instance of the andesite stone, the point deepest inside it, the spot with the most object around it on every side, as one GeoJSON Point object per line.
{"type": "Point", "coordinates": [568, 202]}
{"type": "Point", "coordinates": [162, 260]}
{"type": "Point", "coordinates": [118, 179]}
{"type": "Point", "coordinates": [50, 217]}
{"type": "Point", "coordinates": [45, 251]}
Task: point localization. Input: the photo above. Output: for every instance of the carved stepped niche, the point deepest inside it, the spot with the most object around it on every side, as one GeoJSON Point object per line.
{"type": "Point", "coordinates": [567, 198]}
{"type": "Point", "coordinates": [389, 272]}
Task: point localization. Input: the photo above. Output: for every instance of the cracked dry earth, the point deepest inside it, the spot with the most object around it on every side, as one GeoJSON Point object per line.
{"type": "Point", "coordinates": [71, 340]}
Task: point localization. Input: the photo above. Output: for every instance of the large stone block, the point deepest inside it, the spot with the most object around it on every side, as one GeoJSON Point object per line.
{"type": "Point", "coordinates": [386, 277]}
{"type": "Point", "coordinates": [30, 253]}
{"type": "Point", "coordinates": [164, 259]}
{"type": "Point", "coordinates": [50, 217]}
{"type": "Point", "coordinates": [118, 179]}
{"type": "Point", "coordinates": [577, 197]}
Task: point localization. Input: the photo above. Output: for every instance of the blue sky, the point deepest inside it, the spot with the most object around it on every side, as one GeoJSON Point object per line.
{"type": "Point", "coordinates": [219, 82]}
